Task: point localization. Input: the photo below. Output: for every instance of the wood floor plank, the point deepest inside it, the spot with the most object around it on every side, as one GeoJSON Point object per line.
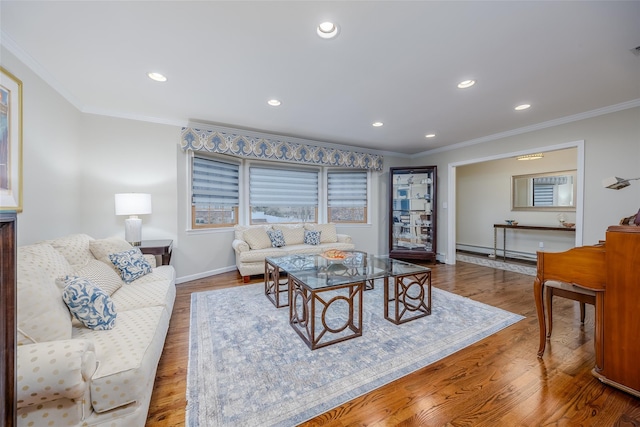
{"type": "Point", "coordinates": [498, 381]}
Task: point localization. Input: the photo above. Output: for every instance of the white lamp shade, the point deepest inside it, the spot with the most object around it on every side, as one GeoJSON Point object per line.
{"type": "Point", "coordinates": [133, 204]}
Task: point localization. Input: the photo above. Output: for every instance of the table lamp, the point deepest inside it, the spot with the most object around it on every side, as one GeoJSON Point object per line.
{"type": "Point", "coordinates": [133, 204]}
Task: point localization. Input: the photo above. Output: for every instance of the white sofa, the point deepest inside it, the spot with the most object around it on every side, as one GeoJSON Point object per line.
{"type": "Point", "coordinates": [68, 374]}
{"type": "Point", "coordinates": [252, 244]}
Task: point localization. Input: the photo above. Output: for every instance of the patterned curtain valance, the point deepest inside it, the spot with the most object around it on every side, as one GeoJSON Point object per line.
{"type": "Point", "coordinates": [270, 149]}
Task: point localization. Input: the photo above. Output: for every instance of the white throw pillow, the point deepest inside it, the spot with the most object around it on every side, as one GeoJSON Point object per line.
{"type": "Point", "coordinates": [101, 275]}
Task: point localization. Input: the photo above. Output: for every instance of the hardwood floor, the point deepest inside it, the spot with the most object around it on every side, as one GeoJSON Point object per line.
{"type": "Point", "coordinates": [497, 382]}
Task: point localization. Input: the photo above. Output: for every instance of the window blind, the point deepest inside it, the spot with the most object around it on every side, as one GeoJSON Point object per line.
{"type": "Point", "coordinates": [282, 187]}
{"type": "Point", "coordinates": [214, 183]}
{"type": "Point", "coordinates": [347, 189]}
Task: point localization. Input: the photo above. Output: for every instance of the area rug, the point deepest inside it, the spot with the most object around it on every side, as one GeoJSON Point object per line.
{"type": "Point", "coordinates": [248, 367]}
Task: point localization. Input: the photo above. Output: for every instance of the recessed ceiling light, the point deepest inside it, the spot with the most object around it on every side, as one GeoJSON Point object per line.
{"type": "Point", "coordinates": [466, 83]}
{"type": "Point", "coordinates": [430, 135]}
{"type": "Point", "coordinates": [274, 102]}
{"type": "Point", "coordinates": [377, 124]}
{"type": "Point", "coordinates": [157, 77]}
{"type": "Point", "coordinates": [522, 107]}
{"type": "Point", "coordinates": [327, 30]}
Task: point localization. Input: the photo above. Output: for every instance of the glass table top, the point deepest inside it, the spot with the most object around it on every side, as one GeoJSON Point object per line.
{"type": "Point", "coordinates": [319, 271]}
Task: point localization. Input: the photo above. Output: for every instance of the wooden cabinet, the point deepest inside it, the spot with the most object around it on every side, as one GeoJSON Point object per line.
{"type": "Point", "coordinates": [621, 321]}
{"type": "Point", "coordinates": [412, 213]}
{"type": "Point", "coordinates": [8, 298]}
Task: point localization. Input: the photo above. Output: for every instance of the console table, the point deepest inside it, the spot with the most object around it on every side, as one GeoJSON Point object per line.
{"type": "Point", "coordinates": [506, 227]}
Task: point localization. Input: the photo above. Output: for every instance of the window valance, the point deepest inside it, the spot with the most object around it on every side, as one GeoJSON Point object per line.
{"type": "Point", "coordinates": [235, 144]}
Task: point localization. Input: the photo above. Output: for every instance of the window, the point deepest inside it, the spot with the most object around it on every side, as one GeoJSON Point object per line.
{"type": "Point", "coordinates": [347, 196]}
{"type": "Point", "coordinates": [283, 195]}
{"type": "Point", "coordinates": [214, 193]}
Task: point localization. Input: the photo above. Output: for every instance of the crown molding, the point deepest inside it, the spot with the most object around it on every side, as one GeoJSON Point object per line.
{"type": "Point", "coordinates": [544, 125]}
{"type": "Point", "coordinates": [38, 69]}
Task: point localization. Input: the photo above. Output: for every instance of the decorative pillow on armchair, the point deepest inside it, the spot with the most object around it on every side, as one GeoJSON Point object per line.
{"type": "Point", "coordinates": [277, 238]}
{"type": "Point", "coordinates": [131, 264]}
{"type": "Point", "coordinates": [89, 304]}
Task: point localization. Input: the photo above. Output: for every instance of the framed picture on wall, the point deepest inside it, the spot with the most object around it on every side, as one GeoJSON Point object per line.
{"type": "Point", "coordinates": [10, 142]}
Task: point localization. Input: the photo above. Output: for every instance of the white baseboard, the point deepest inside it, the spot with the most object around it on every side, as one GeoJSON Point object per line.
{"type": "Point", "coordinates": [483, 250]}
{"type": "Point", "coordinates": [205, 274]}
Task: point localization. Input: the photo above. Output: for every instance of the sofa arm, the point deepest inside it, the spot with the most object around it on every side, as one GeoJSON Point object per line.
{"type": "Point", "coordinates": [344, 238]}
{"type": "Point", "coordinates": [240, 246]}
{"type": "Point", "coordinates": [52, 370]}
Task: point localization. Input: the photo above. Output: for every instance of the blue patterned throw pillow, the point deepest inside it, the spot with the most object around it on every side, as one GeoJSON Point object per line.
{"type": "Point", "coordinates": [277, 238]}
{"type": "Point", "coordinates": [89, 304]}
{"type": "Point", "coordinates": [312, 237]}
{"type": "Point", "coordinates": [131, 264]}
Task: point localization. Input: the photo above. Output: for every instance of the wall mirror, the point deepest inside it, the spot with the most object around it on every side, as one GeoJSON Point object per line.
{"type": "Point", "coordinates": [550, 191]}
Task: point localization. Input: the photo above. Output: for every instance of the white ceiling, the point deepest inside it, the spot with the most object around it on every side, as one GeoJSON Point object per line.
{"type": "Point", "coordinates": [396, 62]}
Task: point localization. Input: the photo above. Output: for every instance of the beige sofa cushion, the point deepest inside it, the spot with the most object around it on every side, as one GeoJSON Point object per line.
{"type": "Point", "coordinates": [328, 233]}
{"type": "Point", "coordinates": [128, 356]}
{"type": "Point", "coordinates": [151, 290]}
{"type": "Point", "coordinates": [257, 238]}
{"type": "Point", "coordinates": [42, 315]}
{"type": "Point", "coordinates": [293, 234]}
{"type": "Point", "coordinates": [101, 248]}
{"type": "Point", "coordinates": [75, 248]}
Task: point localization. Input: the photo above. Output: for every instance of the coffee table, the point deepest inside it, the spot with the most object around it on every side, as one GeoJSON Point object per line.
{"type": "Point", "coordinates": [327, 295]}
{"type": "Point", "coordinates": [277, 289]}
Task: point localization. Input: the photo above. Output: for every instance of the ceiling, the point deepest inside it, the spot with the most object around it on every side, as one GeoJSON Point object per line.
{"type": "Point", "coordinates": [395, 62]}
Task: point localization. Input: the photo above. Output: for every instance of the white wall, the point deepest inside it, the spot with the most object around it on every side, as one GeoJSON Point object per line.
{"type": "Point", "coordinates": [50, 163]}
{"type": "Point", "coordinates": [127, 156]}
{"type": "Point", "coordinates": [612, 147]}
{"type": "Point", "coordinates": [483, 198]}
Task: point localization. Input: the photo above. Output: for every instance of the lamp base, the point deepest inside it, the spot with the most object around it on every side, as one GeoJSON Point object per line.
{"type": "Point", "coordinates": [133, 230]}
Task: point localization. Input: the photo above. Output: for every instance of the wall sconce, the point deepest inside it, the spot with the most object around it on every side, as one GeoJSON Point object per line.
{"type": "Point", "coordinates": [616, 183]}
{"type": "Point", "coordinates": [535, 156]}
{"type": "Point", "coordinates": [133, 204]}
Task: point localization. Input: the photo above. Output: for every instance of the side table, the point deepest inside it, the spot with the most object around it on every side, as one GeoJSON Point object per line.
{"type": "Point", "coordinates": [158, 247]}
